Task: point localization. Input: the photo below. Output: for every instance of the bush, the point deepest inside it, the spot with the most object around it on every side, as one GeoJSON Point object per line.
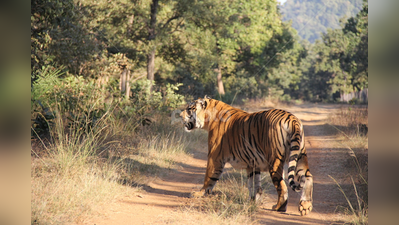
{"type": "Point", "coordinates": [77, 100]}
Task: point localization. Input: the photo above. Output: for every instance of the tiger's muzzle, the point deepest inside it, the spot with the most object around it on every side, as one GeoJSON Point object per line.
{"type": "Point", "coordinates": [189, 125]}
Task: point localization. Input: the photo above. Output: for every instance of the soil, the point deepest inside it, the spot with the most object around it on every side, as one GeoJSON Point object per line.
{"type": "Point", "coordinates": [162, 198]}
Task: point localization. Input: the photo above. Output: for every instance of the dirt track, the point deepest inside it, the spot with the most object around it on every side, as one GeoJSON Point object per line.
{"type": "Point", "coordinates": [160, 201]}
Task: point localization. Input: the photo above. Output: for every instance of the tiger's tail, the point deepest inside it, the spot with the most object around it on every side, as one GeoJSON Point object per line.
{"type": "Point", "coordinates": [296, 140]}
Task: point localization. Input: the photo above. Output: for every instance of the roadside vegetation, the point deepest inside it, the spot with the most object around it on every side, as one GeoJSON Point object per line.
{"type": "Point", "coordinates": [97, 151]}
{"type": "Point", "coordinates": [351, 124]}
{"type": "Point", "coordinates": [230, 203]}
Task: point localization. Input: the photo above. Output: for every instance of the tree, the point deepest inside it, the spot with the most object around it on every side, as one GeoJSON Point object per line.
{"type": "Point", "coordinates": [151, 38]}
{"type": "Point", "coordinates": [238, 27]}
{"type": "Point", "coordinates": [136, 28]}
{"type": "Point", "coordinates": [59, 37]}
{"type": "Point", "coordinates": [338, 63]}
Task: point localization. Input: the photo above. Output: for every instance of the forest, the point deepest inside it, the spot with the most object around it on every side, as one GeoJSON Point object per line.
{"type": "Point", "coordinates": [106, 77]}
{"type": "Point", "coordinates": [227, 49]}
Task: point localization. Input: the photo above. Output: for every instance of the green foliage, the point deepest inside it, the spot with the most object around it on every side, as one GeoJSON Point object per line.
{"type": "Point", "coordinates": [78, 100]}
{"type": "Point", "coordinates": [258, 54]}
{"type": "Point", "coordinates": [60, 37]}
{"type": "Point", "coordinates": [311, 18]}
{"type": "Point", "coordinates": [339, 63]}
{"type": "Point", "coordinates": [171, 99]}
{"type": "Point", "coordinates": [145, 101]}
{"type": "Point", "coordinates": [242, 84]}
{"type": "Point", "coordinates": [42, 117]}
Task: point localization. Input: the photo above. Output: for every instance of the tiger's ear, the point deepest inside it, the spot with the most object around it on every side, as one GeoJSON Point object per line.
{"type": "Point", "coordinates": [203, 103]}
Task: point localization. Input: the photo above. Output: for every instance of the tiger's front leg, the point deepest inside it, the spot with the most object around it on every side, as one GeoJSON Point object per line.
{"type": "Point", "coordinates": [214, 170]}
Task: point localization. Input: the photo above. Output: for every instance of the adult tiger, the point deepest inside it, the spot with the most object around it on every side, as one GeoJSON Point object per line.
{"type": "Point", "coordinates": [257, 142]}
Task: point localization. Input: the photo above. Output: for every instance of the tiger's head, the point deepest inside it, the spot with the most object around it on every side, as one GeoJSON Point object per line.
{"type": "Point", "coordinates": [194, 116]}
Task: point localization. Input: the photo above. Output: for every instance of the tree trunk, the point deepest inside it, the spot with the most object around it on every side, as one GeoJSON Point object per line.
{"type": "Point", "coordinates": [122, 81]}
{"type": "Point", "coordinates": [128, 85]}
{"type": "Point", "coordinates": [220, 81]}
{"type": "Point", "coordinates": [124, 84]}
{"type": "Point", "coordinates": [151, 64]}
{"type": "Point", "coordinates": [151, 38]}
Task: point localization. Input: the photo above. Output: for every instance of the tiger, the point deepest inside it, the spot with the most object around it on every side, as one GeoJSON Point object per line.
{"type": "Point", "coordinates": [257, 142]}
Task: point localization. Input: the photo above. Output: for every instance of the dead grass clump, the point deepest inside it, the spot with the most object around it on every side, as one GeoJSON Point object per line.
{"type": "Point", "coordinates": [230, 203]}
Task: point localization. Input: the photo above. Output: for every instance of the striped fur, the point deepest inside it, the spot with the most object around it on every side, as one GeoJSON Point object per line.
{"type": "Point", "coordinates": [257, 142]}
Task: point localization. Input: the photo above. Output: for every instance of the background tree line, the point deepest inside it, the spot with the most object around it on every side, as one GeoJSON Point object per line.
{"type": "Point", "coordinates": [311, 18]}
{"type": "Point", "coordinates": [225, 49]}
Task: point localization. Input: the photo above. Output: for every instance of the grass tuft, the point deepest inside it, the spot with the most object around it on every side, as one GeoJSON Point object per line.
{"type": "Point", "coordinates": [230, 203]}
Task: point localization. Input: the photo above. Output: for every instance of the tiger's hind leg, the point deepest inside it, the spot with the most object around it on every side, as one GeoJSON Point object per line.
{"type": "Point", "coordinates": [306, 183]}
{"type": "Point", "coordinates": [276, 173]}
{"type": "Point", "coordinates": [255, 190]}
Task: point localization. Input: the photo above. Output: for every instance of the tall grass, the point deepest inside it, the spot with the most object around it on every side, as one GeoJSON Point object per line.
{"type": "Point", "coordinates": [85, 167]}
{"type": "Point", "coordinates": [94, 151]}
{"type": "Point", "coordinates": [70, 181]}
{"type": "Point", "coordinates": [352, 126]}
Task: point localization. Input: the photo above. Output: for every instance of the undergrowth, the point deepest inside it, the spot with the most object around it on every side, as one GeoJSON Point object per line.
{"type": "Point", "coordinates": [69, 179]}
{"type": "Point", "coordinates": [88, 151]}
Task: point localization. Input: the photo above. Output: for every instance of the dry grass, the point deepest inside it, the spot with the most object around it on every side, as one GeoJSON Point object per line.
{"type": "Point", "coordinates": [230, 203]}
{"type": "Point", "coordinates": [70, 181]}
{"type": "Point", "coordinates": [82, 170]}
{"type": "Point", "coordinates": [151, 151]}
{"type": "Point", "coordinates": [351, 124]}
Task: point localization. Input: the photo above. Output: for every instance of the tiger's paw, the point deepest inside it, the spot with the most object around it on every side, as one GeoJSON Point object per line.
{"type": "Point", "coordinates": [279, 209]}
{"type": "Point", "coordinates": [197, 194]}
{"type": "Point", "coordinates": [305, 207]}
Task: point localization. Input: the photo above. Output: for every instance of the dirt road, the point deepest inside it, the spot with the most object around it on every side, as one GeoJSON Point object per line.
{"type": "Point", "coordinates": [161, 200]}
